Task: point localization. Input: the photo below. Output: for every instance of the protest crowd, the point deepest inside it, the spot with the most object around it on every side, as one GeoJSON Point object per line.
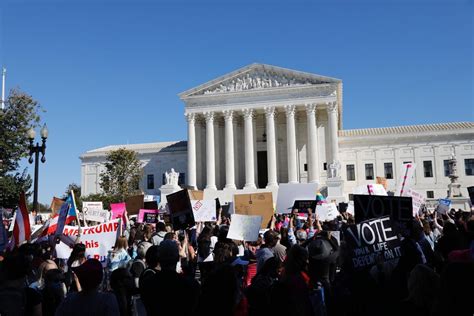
{"type": "Point", "coordinates": [296, 264]}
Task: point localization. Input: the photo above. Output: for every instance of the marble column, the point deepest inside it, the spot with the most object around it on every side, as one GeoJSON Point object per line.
{"type": "Point", "coordinates": [271, 147]}
{"type": "Point", "coordinates": [210, 153]}
{"type": "Point", "coordinates": [229, 149]}
{"type": "Point", "coordinates": [191, 176]}
{"type": "Point", "coordinates": [333, 131]}
{"type": "Point", "coordinates": [249, 148]}
{"type": "Point", "coordinates": [291, 143]}
{"type": "Point", "coordinates": [312, 154]}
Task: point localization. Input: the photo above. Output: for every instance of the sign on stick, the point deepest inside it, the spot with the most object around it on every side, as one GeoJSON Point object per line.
{"type": "Point", "coordinates": [244, 227]}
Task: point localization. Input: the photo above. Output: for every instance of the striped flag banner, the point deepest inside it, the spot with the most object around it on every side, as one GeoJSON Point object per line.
{"type": "Point", "coordinates": [22, 229]}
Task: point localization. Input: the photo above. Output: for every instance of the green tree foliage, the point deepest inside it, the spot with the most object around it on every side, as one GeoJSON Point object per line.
{"type": "Point", "coordinates": [122, 173]}
{"type": "Point", "coordinates": [20, 114]}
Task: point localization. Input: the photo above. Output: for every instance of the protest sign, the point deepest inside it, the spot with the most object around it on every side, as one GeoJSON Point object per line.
{"type": "Point", "coordinates": [303, 205]}
{"type": "Point", "coordinates": [370, 189]}
{"type": "Point", "coordinates": [97, 239]}
{"type": "Point", "coordinates": [417, 200]}
{"type": "Point", "coordinates": [255, 204]}
{"type": "Point", "coordinates": [374, 206]}
{"type": "Point", "coordinates": [181, 211]}
{"type": "Point", "coordinates": [94, 211]}
{"type": "Point", "coordinates": [150, 205]}
{"type": "Point", "coordinates": [204, 210]}
{"type": "Point", "coordinates": [288, 193]}
{"type": "Point", "coordinates": [227, 210]}
{"type": "Point", "coordinates": [151, 198]}
{"type": "Point", "coordinates": [196, 194]}
{"type": "Point", "coordinates": [470, 190]}
{"type": "Point", "coordinates": [56, 204]}
{"type": "Point", "coordinates": [147, 216]}
{"type": "Point", "coordinates": [244, 227]}
{"type": "Point", "coordinates": [350, 208]}
{"type": "Point", "coordinates": [368, 240]}
{"type": "Point", "coordinates": [443, 206]}
{"type": "Point", "coordinates": [134, 204]}
{"type": "Point", "coordinates": [406, 179]}
{"type": "Point", "coordinates": [117, 209]}
{"type": "Point", "coordinates": [326, 212]}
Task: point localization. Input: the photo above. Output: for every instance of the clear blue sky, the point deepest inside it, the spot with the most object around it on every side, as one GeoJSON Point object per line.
{"type": "Point", "coordinates": [110, 73]}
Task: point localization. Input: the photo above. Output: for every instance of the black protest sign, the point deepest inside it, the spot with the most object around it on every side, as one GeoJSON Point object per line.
{"type": "Point", "coordinates": [181, 212]}
{"type": "Point", "coordinates": [150, 218]}
{"type": "Point", "coordinates": [374, 206]}
{"type": "Point", "coordinates": [371, 240]}
{"type": "Point", "coordinates": [150, 205]}
{"type": "Point", "coordinates": [343, 207]}
{"type": "Point", "coordinates": [470, 190]}
{"type": "Point", "coordinates": [304, 205]}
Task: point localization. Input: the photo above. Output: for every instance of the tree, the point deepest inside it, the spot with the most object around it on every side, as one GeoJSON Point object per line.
{"type": "Point", "coordinates": [20, 114]}
{"type": "Point", "coordinates": [122, 173]}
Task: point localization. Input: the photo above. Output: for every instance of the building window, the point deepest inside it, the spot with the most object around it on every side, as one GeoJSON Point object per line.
{"type": "Point", "coordinates": [388, 170]}
{"type": "Point", "coordinates": [325, 166]}
{"type": "Point", "coordinates": [150, 182]}
{"type": "Point", "coordinates": [351, 197]}
{"type": "Point", "coordinates": [305, 167]}
{"type": "Point", "coordinates": [405, 162]}
{"type": "Point", "coordinates": [469, 167]}
{"type": "Point", "coordinates": [446, 168]}
{"type": "Point", "coordinates": [430, 194]}
{"type": "Point", "coordinates": [428, 168]}
{"type": "Point", "coordinates": [369, 171]}
{"type": "Point", "coordinates": [350, 170]}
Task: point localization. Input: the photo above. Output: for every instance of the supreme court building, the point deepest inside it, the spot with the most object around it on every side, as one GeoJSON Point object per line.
{"type": "Point", "coordinates": [262, 125]}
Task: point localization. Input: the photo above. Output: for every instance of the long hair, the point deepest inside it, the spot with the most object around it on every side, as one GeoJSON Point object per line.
{"type": "Point", "coordinates": [121, 243]}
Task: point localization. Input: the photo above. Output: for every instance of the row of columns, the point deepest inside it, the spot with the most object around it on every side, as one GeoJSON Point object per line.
{"type": "Point", "coordinates": [249, 114]}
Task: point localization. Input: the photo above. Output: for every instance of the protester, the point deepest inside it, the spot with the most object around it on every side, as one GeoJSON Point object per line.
{"type": "Point", "coordinates": [89, 301]}
{"type": "Point", "coordinates": [298, 265]}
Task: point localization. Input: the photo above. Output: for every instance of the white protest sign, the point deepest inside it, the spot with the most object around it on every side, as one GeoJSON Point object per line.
{"type": "Point", "coordinates": [350, 208]}
{"type": "Point", "coordinates": [289, 192]}
{"type": "Point", "coordinates": [443, 206]}
{"type": "Point", "coordinates": [405, 180]}
{"type": "Point", "coordinates": [327, 211]}
{"type": "Point", "coordinates": [244, 227]}
{"type": "Point", "coordinates": [97, 239]}
{"type": "Point", "coordinates": [204, 210]}
{"type": "Point", "coordinates": [94, 211]}
{"type": "Point", "coordinates": [371, 189]}
{"type": "Point", "coordinates": [417, 200]}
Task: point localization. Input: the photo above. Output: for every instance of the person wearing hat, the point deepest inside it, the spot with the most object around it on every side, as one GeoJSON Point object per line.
{"type": "Point", "coordinates": [89, 301]}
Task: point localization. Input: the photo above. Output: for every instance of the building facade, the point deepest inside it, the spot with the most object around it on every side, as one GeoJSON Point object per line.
{"type": "Point", "coordinates": [156, 159]}
{"type": "Point", "coordinates": [262, 125]}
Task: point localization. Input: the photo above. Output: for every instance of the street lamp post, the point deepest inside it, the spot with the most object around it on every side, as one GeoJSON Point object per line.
{"type": "Point", "coordinates": [36, 150]}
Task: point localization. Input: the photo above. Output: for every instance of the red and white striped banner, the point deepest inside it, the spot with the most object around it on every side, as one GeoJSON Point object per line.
{"type": "Point", "coordinates": [22, 229]}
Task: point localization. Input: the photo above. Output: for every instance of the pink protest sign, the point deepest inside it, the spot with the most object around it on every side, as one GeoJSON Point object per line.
{"type": "Point", "coordinates": [147, 216]}
{"type": "Point", "coordinates": [117, 210]}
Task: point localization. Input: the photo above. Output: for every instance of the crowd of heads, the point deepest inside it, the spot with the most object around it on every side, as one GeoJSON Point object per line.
{"type": "Point", "coordinates": [297, 266]}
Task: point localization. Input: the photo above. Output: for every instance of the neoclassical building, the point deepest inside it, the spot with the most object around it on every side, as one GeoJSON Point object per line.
{"type": "Point", "coordinates": [262, 125]}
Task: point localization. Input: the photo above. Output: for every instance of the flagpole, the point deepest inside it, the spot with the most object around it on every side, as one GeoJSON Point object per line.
{"type": "Point", "coordinates": [77, 210]}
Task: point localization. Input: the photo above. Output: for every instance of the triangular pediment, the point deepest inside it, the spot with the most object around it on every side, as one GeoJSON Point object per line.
{"type": "Point", "coordinates": [257, 77]}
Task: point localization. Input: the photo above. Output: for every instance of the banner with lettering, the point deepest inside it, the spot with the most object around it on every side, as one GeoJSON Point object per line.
{"type": "Point", "coordinates": [371, 240]}
{"type": "Point", "coordinates": [204, 210]}
{"type": "Point", "coordinates": [97, 239]}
